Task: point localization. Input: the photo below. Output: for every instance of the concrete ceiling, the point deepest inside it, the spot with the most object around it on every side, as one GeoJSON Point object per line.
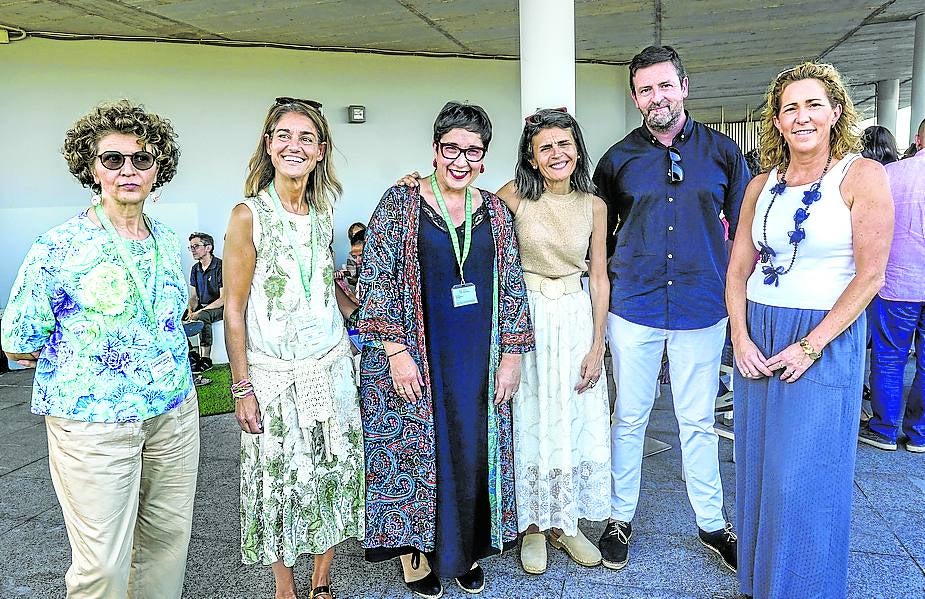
{"type": "Point", "coordinates": [732, 48]}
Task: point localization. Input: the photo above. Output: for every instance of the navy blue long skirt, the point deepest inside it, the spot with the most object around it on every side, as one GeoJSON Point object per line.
{"type": "Point", "coordinates": [795, 452]}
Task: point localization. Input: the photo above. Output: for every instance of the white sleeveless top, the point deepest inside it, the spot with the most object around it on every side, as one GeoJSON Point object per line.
{"type": "Point", "coordinates": [281, 322]}
{"type": "Point", "coordinates": [824, 262]}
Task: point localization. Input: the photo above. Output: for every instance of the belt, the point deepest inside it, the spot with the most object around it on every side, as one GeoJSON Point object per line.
{"type": "Point", "coordinates": [553, 288]}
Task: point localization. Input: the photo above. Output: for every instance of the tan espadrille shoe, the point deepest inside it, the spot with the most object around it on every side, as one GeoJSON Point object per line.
{"type": "Point", "coordinates": [579, 548]}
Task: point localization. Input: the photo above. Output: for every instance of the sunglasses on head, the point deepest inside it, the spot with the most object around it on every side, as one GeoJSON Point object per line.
{"type": "Point", "coordinates": [283, 100]}
{"type": "Point", "coordinates": [536, 118]}
{"type": "Point", "coordinates": [113, 160]}
{"type": "Point", "coordinates": [675, 172]}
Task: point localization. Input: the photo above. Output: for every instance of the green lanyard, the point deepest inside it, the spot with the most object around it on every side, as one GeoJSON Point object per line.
{"type": "Point", "coordinates": [129, 264]}
{"type": "Point", "coordinates": [467, 239]}
{"type": "Point", "coordinates": [304, 274]}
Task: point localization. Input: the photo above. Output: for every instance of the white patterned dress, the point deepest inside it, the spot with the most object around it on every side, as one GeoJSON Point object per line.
{"type": "Point", "coordinates": [561, 438]}
{"type": "Point", "coordinates": [302, 479]}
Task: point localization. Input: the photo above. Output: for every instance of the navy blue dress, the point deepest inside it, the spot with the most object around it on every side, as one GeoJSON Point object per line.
{"type": "Point", "coordinates": [458, 342]}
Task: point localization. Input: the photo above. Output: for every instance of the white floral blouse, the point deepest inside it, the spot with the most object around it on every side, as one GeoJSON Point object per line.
{"type": "Point", "coordinates": [102, 359]}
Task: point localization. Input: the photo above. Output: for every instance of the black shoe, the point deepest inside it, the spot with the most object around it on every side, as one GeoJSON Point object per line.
{"type": "Point", "coordinates": [206, 363]}
{"type": "Point", "coordinates": [868, 436]}
{"type": "Point", "coordinates": [472, 581]}
{"type": "Point", "coordinates": [723, 542]}
{"type": "Point", "coordinates": [428, 587]}
{"type": "Point", "coordinates": [615, 544]}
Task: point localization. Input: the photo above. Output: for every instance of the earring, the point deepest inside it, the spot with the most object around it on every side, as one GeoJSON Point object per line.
{"type": "Point", "coordinates": [96, 200]}
{"type": "Point", "coordinates": [482, 169]}
{"type": "Point", "coordinates": [435, 163]}
{"type": "Point", "coordinates": [153, 197]}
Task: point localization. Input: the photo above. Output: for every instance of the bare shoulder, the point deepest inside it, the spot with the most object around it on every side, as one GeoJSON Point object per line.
{"type": "Point", "coordinates": [865, 180]}
{"type": "Point", "coordinates": [757, 183]}
{"type": "Point", "coordinates": [864, 168]}
{"type": "Point", "coordinates": [509, 195]}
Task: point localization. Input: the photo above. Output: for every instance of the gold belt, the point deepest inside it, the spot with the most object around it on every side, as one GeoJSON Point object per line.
{"type": "Point", "coordinates": [553, 288]}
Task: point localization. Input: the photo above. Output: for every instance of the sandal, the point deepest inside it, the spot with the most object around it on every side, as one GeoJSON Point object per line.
{"type": "Point", "coordinates": [322, 590]}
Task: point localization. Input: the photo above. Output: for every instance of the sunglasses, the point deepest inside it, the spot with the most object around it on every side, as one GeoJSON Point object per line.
{"type": "Point", "coordinates": [536, 118]}
{"type": "Point", "coordinates": [284, 100]}
{"type": "Point", "coordinates": [113, 160]}
{"type": "Point", "coordinates": [675, 172]}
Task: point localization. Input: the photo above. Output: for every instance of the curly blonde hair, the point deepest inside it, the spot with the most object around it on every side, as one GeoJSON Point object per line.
{"type": "Point", "coordinates": [323, 188]}
{"type": "Point", "coordinates": [844, 137]}
{"type": "Point", "coordinates": [81, 142]}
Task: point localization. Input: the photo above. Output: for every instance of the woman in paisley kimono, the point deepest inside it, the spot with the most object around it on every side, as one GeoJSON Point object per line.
{"type": "Point", "coordinates": [295, 398]}
{"type": "Point", "coordinates": [444, 318]}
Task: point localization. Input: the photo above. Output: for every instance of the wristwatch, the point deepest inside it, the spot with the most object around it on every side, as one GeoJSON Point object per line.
{"type": "Point", "coordinates": [809, 350]}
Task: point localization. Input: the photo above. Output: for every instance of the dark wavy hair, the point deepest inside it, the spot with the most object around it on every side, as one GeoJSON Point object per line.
{"type": "Point", "coordinates": [456, 115]}
{"type": "Point", "coordinates": [530, 183]}
{"type": "Point", "coordinates": [654, 55]}
{"type": "Point", "coordinates": [155, 133]}
{"type": "Point", "coordinates": [879, 144]}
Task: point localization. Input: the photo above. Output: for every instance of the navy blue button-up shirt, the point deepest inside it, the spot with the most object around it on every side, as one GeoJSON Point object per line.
{"type": "Point", "coordinates": [668, 255]}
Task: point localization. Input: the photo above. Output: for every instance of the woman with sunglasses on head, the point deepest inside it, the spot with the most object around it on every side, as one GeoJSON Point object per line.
{"type": "Point", "coordinates": [444, 318]}
{"type": "Point", "coordinates": [821, 220]}
{"type": "Point", "coordinates": [291, 365]}
{"type": "Point", "coordinates": [96, 309]}
{"type": "Point", "coordinates": [561, 416]}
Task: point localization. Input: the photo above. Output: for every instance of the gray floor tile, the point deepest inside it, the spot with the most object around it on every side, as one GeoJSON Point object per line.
{"type": "Point", "coordinates": [909, 528]}
{"type": "Point", "coordinates": [41, 555]}
{"type": "Point", "coordinates": [884, 577]}
{"type": "Point", "coordinates": [887, 492]}
{"type": "Point", "coordinates": [16, 418]}
{"type": "Point", "coordinates": [22, 498]}
{"type": "Point", "coordinates": [871, 533]}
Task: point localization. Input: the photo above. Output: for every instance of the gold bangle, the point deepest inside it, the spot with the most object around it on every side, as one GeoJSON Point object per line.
{"type": "Point", "coordinates": [809, 350]}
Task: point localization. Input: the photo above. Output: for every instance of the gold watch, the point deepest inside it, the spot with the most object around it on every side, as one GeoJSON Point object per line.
{"type": "Point", "coordinates": [809, 350]}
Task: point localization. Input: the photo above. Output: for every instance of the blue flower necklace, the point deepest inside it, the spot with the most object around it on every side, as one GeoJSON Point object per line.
{"type": "Point", "coordinates": [812, 195]}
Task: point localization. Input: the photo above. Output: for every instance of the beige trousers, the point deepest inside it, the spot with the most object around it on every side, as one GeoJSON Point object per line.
{"type": "Point", "coordinates": [126, 490]}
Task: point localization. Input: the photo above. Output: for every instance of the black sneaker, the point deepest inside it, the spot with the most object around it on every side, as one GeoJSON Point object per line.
{"type": "Point", "coordinates": [472, 581]}
{"type": "Point", "coordinates": [868, 436]}
{"type": "Point", "coordinates": [723, 542]}
{"type": "Point", "coordinates": [615, 544]}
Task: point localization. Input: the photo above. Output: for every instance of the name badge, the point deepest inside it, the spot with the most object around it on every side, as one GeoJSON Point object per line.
{"type": "Point", "coordinates": [162, 365]}
{"type": "Point", "coordinates": [464, 295]}
{"type": "Point", "coordinates": [308, 329]}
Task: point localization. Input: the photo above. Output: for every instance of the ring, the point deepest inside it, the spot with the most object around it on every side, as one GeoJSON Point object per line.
{"type": "Point", "coordinates": [592, 383]}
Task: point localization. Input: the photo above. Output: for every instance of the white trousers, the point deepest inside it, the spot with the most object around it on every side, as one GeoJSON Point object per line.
{"type": "Point", "coordinates": [126, 491]}
{"type": "Point", "coordinates": [694, 358]}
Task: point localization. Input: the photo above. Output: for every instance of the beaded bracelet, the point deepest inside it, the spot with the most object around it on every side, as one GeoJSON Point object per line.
{"type": "Point", "coordinates": [241, 389]}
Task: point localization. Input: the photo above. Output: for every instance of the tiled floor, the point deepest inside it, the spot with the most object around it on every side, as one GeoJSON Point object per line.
{"type": "Point", "coordinates": [666, 560]}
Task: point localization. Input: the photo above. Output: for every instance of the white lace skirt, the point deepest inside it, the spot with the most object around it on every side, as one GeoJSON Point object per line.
{"type": "Point", "coordinates": [561, 438]}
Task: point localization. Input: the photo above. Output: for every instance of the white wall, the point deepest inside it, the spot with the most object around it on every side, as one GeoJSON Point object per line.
{"type": "Point", "coordinates": [217, 99]}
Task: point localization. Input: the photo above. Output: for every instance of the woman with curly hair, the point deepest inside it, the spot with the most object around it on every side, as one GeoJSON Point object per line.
{"type": "Point", "coordinates": [96, 309]}
{"type": "Point", "coordinates": [295, 396]}
{"type": "Point", "coordinates": [821, 220]}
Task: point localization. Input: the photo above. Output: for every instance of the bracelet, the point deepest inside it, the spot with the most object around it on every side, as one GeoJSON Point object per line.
{"type": "Point", "coordinates": [809, 350]}
{"type": "Point", "coordinates": [241, 389]}
{"type": "Point", "coordinates": [396, 353]}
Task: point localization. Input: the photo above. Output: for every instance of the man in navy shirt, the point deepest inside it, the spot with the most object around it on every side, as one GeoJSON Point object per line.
{"type": "Point", "coordinates": [666, 185]}
{"type": "Point", "coordinates": [207, 297]}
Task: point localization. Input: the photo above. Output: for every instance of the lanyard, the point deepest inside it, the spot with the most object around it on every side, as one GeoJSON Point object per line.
{"type": "Point", "coordinates": [304, 274]}
{"type": "Point", "coordinates": [130, 264]}
{"type": "Point", "coordinates": [467, 233]}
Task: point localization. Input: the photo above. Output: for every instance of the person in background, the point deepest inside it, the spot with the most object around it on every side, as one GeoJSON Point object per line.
{"type": "Point", "coordinates": [444, 320]}
{"type": "Point", "coordinates": [877, 143]}
{"type": "Point", "coordinates": [291, 366]}
{"type": "Point", "coordinates": [96, 308]}
{"type": "Point", "coordinates": [821, 221]}
{"type": "Point", "coordinates": [207, 297]}
{"type": "Point", "coordinates": [899, 315]}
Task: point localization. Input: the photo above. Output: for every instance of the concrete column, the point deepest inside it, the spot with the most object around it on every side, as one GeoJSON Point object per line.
{"type": "Point", "coordinates": [918, 78]}
{"type": "Point", "coordinates": [547, 55]}
{"type": "Point", "coordinates": [887, 103]}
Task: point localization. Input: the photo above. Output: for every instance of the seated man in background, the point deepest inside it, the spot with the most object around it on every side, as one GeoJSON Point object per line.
{"type": "Point", "coordinates": [206, 300]}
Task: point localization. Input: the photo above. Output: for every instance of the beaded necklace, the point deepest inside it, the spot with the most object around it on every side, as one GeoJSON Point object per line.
{"type": "Point", "coordinates": [773, 273]}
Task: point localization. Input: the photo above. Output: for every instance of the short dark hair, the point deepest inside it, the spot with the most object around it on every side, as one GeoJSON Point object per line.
{"type": "Point", "coordinates": [529, 181]}
{"type": "Point", "coordinates": [653, 55]}
{"type": "Point", "coordinates": [879, 144]}
{"type": "Point", "coordinates": [358, 237]}
{"type": "Point", "coordinates": [206, 239]}
{"type": "Point", "coordinates": [471, 117]}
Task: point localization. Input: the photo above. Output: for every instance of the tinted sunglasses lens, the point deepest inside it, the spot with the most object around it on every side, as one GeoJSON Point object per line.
{"type": "Point", "coordinates": [142, 160]}
{"type": "Point", "coordinates": [112, 160]}
{"type": "Point", "coordinates": [675, 172]}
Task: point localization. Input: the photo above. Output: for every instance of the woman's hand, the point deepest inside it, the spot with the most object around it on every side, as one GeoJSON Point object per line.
{"type": "Point", "coordinates": [507, 378]}
{"type": "Point", "coordinates": [749, 359]}
{"type": "Point", "coordinates": [410, 180]}
{"type": "Point", "coordinates": [247, 412]}
{"type": "Point", "coordinates": [28, 360]}
{"type": "Point", "coordinates": [406, 377]}
{"type": "Point", "coordinates": [793, 360]}
{"type": "Point", "coordinates": [590, 369]}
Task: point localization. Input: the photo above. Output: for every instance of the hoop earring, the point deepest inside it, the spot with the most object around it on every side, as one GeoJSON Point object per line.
{"type": "Point", "coordinates": [153, 197]}
{"type": "Point", "coordinates": [96, 200]}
